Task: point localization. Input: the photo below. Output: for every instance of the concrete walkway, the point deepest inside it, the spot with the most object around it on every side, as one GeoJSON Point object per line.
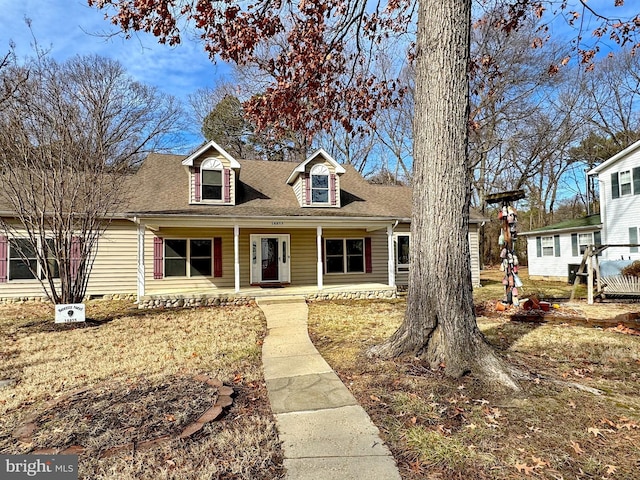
{"type": "Point", "coordinates": [325, 434]}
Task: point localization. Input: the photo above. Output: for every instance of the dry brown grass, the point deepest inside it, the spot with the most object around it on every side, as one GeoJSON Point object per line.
{"type": "Point", "coordinates": [446, 429]}
{"type": "Point", "coordinates": [492, 288]}
{"type": "Point", "coordinates": [136, 371]}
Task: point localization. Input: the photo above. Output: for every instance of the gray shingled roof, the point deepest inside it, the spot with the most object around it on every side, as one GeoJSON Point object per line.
{"type": "Point", "coordinates": [161, 187]}
{"type": "Point", "coordinates": [589, 222]}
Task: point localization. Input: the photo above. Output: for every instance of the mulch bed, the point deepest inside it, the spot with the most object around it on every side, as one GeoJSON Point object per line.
{"type": "Point", "coordinates": [628, 323]}
{"type": "Point", "coordinates": [116, 416]}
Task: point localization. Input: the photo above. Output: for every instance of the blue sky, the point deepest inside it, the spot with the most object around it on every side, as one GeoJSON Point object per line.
{"type": "Point", "coordinates": [70, 27]}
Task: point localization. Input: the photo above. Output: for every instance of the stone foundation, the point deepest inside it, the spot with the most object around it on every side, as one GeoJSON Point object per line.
{"type": "Point", "coordinates": [186, 301]}
{"type": "Point", "coordinates": [119, 296]}
{"type": "Point", "coordinates": [205, 300]}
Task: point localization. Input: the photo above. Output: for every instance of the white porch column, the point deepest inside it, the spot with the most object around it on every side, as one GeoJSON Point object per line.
{"type": "Point", "coordinates": [140, 261]}
{"type": "Point", "coordinates": [391, 256]}
{"type": "Point", "coordinates": [320, 265]}
{"type": "Point", "coordinates": [236, 256]}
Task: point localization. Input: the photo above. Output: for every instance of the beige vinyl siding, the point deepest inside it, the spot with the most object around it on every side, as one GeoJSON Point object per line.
{"type": "Point", "coordinates": [302, 251]}
{"type": "Point", "coordinates": [114, 269]}
{"type": "Point", "coordinates": [185, 284]}
{"type": "Point", "coordinates": [379, 273]}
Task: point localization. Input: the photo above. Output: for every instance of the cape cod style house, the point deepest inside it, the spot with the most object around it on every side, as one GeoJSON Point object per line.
{"type": "Point", "coordinates": [208, 224]}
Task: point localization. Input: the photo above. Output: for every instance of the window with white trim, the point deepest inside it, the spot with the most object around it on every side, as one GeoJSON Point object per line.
{"type": "Point", "coordinates": [584, 240]}
{"type": "Point", "coordinates": [211, 182]}
{"type": "Point", "coordinates": [547, 247]}
{"type": "Point", "coordinates": [402, 252]}
{"type": "Point", "coordinates": [23, 266]}
{"type": "Point", "coordinates": [188, 258]}
{"type": "Point", "coordinates": [344, 255]}
{"type": "Point", "coordinates": [319, 184]}
{"type": "Point", "coordinates": [625, 183]}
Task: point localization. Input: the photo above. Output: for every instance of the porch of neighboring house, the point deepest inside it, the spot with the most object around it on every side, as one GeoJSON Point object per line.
{"type": "Point", "coordinates": [220, 297]}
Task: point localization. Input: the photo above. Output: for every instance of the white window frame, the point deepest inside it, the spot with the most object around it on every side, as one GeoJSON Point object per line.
{"type": "Point", "coordinates": [211, 165]}
{"type": "Point", "coordinates": [628, 183]}
{"type": "Point", "coordinates": [548, 243]}
{"type": "Point", "coordinates": [320, 170]}
{"type": "Point", "coordinates": [345, 256]}
{"type": "Point", "coordinates": [400, 267]}
{"type": "Point", "coordinates": [39, 271]}
{"type": "Point", "coordinates": [187, 258]}
{"type": "Point", "coordinates": [582, 246]}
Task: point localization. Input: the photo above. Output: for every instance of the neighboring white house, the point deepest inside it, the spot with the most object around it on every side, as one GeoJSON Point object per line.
{"type": "Point", "coordinates": [619, 181]}
{"type": "Point", "coordinates": [555, 251]}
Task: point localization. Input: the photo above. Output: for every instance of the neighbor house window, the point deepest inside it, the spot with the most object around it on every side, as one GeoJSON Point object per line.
{"type": "Point", "coordinates": [194, 253]}
{"type": "Point", "coordinates": [625, 183]}
{"type": "Point", "coordinates": [23, 268]}
{"type": "Point", "coordinates": [402, 253]}
{"type": "Point", "coordinates": [547, 246]}
{"type": "Point", "coordinates": [211, 172]}
{"type": "Point", "coordinates": [320, 184]}
{"type": "Point", "coordinates": [584, 240]}
{"type": "Point", "coordinates": [345, 255]}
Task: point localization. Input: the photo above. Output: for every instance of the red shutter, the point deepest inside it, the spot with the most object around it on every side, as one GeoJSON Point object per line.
{"type": "Point", "coordinates": [227, 185]}
{"type": "Point", "coordinates": [196, 193]}
{"type": "Point", "coordinates": [217, 257]}
{"type": "Point", "coordinates": [3, 259]}
{"type": "Point", "coordinates": [157, 257]}
{"type": "Point", "coordinates": [367, 255]}
{"type": "Point", "coordinates": [332, 191]}
{"type": "Point", "coordinates": [76, 256]}
{"type": "Point", "coordinates": [307, 189]}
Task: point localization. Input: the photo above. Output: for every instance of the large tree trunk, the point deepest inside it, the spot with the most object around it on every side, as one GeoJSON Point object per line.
{"type": "Point", "coordinates": [440, 323]}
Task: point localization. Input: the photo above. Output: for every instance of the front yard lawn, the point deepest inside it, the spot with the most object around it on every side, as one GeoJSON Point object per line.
{"type": "Point", "coordinates": [438, 428]}
{"type": "Point", "coordinates": [128, 377]}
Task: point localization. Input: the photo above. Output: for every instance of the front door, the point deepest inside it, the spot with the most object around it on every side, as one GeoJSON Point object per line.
{"type": "Point", "coordinates": [269, 254]}
{"type": "Point", "coordinates": [270, 259]}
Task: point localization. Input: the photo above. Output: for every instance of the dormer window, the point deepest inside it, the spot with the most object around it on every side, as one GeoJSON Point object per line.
{"type": "Point", "coordinates": [320, 184]}
{"type": "Point", "coordinates": [211, 172]}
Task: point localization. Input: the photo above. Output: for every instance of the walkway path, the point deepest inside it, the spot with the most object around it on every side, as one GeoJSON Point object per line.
{"type": "Point", "coordinates": [325, 434]}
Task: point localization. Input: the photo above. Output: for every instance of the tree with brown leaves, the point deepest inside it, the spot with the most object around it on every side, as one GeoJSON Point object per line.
{"type": "Point", "coordinates": [318, 55]}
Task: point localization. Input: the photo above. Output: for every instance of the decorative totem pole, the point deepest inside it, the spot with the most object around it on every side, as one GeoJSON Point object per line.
{"type": "Point", "coordinates": [508, 235]}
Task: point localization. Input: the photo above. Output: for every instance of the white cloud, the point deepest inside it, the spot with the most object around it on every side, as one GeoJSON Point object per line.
{"type": "Point", "coordinates": [70, 28]}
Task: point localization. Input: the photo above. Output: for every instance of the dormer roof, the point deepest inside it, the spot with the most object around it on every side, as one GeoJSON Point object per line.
{"type": "Point", "coordinates": [210, 145]}
{"type": "Point", "coordinates": [301, 168]}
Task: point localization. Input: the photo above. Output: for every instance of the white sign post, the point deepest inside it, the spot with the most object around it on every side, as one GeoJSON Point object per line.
{"type": "Point", "coordinates": [70, 313]}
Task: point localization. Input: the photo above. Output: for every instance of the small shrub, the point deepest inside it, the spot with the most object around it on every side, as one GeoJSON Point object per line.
{"type": "Point", "coordinates": [632, 270]}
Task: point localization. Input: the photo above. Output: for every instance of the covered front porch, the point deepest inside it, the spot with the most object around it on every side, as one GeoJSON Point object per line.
{"type": "Point", "coordinates": [222, 297]}
{"type": "Point", "coordinates": [249, 258]}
